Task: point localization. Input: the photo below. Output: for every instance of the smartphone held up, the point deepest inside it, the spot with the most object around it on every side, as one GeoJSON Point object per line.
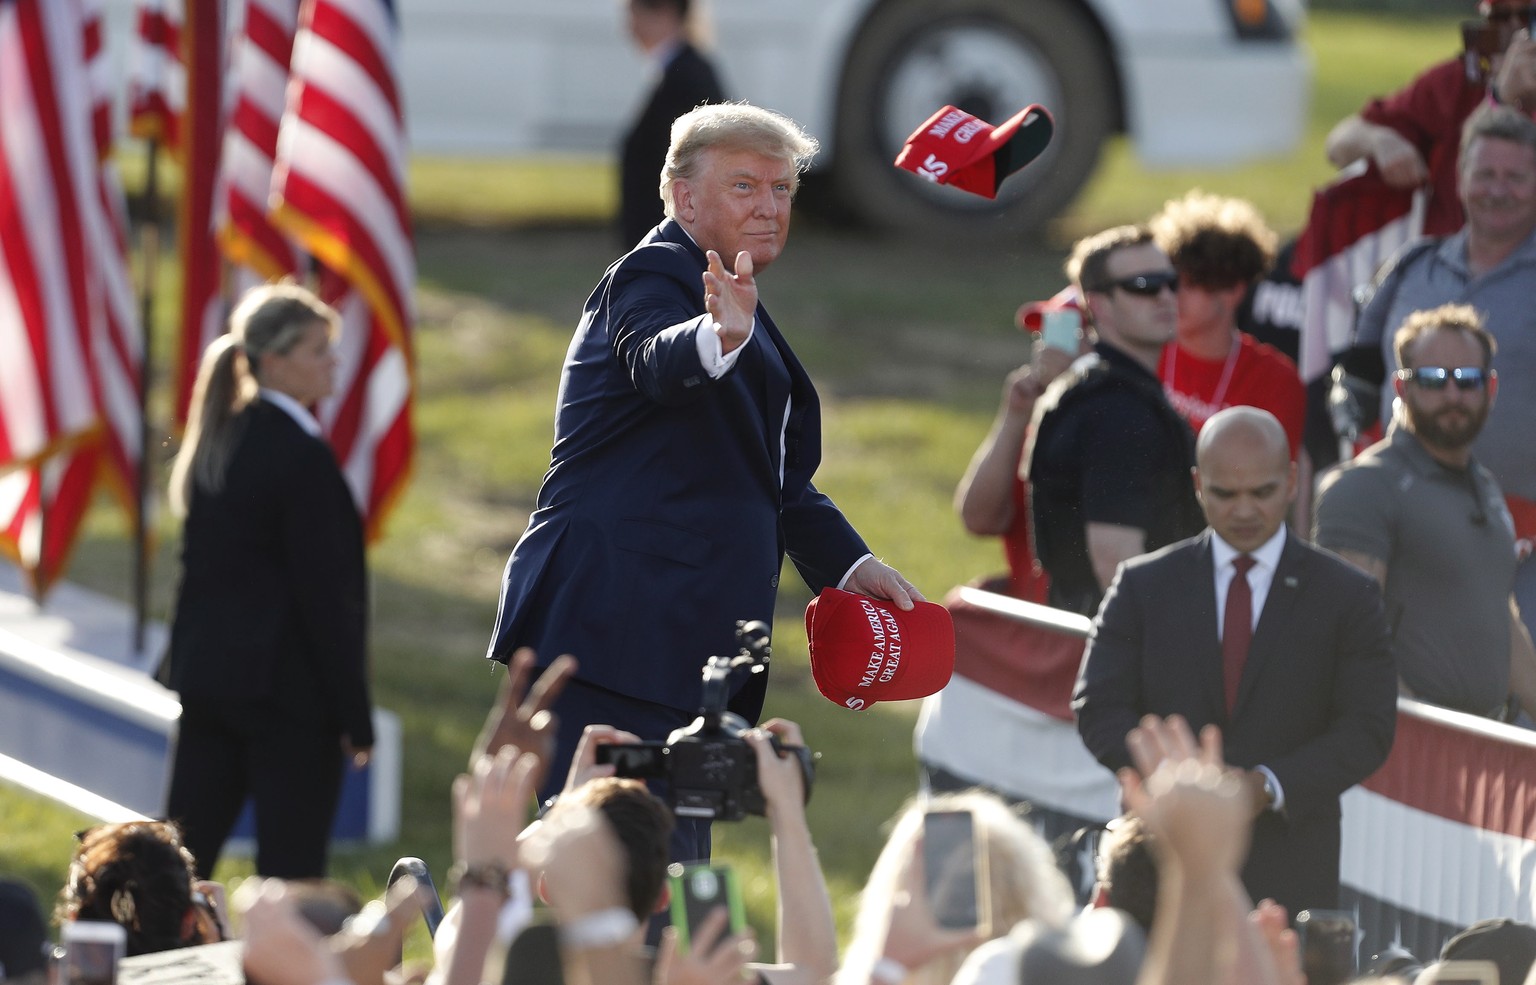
{"type": "Point", "coordinates": [90, 952]}
{"type": "Point", "coordinates": [954, 873]}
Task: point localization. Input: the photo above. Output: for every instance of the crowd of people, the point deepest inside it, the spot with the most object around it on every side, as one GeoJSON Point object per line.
{"type": "Point", "coordinates": [1142, 471]}
{"type": "Point", "coordinates": [1169, 906]}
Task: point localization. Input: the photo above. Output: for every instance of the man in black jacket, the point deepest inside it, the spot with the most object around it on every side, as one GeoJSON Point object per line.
{"type": "Point", "coordinates": [686, 80]}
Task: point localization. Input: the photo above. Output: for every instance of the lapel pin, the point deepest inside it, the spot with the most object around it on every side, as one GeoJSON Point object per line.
{"type": "Point", "coordinates": [1290, 581]}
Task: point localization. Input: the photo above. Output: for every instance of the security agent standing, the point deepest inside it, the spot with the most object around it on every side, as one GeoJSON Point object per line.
{"type": "Point", "coordinates": [1422, 516]}
{"type": "Point", "coordinates": [1108, 457]}
{"type": "Point", "coordinates": [1281, 645]}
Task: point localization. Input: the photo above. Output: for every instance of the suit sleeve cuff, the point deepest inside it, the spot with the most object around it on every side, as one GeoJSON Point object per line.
{"type": "Point", "coordinates": [843, 581]}
{"type": "Point", "coordinates": [1279, 805]}
{"type": "Point", "coordinates": [715, 362]}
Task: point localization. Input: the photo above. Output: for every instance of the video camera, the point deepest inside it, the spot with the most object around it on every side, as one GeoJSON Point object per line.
{"type": "Point", "coordinates": [709, 769]}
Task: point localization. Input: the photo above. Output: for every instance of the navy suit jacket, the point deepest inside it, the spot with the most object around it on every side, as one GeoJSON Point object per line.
{"type": "Point", "coordinates": [670, 500]}
{"type": "Point", "coordinates": [1317, 702]}
{"type": "Point", "coordinates": [272, 607]}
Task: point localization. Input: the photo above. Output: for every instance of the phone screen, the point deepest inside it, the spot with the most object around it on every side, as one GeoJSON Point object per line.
{"type": "Point", "coordinates": [1061, 329]}
{"type": "Point", "coordinates": [1327, 945]}
{"type": "Point", "coordinates": [697, 891]}
{"type": "Point", "coordinates": [949, 868]}
{"type": "Point", "coordinates": [91, 952]}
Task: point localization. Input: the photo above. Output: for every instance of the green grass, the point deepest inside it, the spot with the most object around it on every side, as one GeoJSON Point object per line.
{"type": "Point", "coordinates": [908, 349]}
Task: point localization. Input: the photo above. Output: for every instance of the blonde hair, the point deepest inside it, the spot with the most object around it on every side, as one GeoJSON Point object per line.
{"type": "Point", "coordinates": [1022, 878]}
{"type": "Point", "coordinates": [733, 126]}
{"type": "Point", "coordinates": [270, 319]}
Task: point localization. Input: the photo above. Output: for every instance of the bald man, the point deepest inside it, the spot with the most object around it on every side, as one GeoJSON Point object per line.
{"type": "Point", "coordinates": [1245, 627]}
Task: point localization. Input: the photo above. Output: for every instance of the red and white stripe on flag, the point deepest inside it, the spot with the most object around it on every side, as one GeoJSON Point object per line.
{"type": "Point", "coordinates": [203, 54]}
{"type": "Point", "coordinates": [261, 59]}
{"type": "Point", "coordinates": [70, 349]}
{"type": "Point", "coordinates": [339, 189]}
{"type": "Point", "coordinates": [157, 81]}
{"type": "Point", "coordinates": [1356, 224]}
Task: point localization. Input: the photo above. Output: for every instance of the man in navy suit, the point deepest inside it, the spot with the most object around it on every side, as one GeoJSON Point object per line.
{"type": "Point", "coordinates": [686, 436]}
{"type": "Point", "coordinates": [1281, 645]}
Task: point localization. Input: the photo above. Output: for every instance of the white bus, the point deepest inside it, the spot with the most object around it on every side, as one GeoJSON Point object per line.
{"type": "Point", "coordinates": [1193, 82]}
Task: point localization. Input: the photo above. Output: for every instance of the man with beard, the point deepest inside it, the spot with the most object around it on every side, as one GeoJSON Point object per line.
{"type": "Point", "coordinates": [1491, 265]}
{"type": "Point", "coordinates": [1421, 515]}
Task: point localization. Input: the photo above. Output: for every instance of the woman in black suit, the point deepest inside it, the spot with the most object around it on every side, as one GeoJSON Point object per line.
{"type": "Point", "coordinates": [268, 641]}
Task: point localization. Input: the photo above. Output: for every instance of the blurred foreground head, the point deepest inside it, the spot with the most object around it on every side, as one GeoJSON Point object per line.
{"type": "Point", "coordinates": [138, 875]}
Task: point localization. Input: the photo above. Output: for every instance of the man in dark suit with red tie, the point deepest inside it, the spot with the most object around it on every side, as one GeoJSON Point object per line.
{"type": "Point", "coordinates": [1281, 645]}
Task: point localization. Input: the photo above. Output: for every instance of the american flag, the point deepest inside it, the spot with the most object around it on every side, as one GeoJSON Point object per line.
{"type": "Point", "coordinates": [309, 214]}
{"type": "Point", "coordinates": [204, 61]}
{"type": "Point", "coordinates": [70, 347]}
{"type": "Point", "coordinates": [1356, 224]}
{"type": "Point", "coordinates": [250, 143]}
{"type": "Point", "coordinates": [338, 189]}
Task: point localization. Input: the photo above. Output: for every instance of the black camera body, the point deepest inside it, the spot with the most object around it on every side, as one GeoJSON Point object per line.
{"type": "Point", "coordinates": [709, 769]}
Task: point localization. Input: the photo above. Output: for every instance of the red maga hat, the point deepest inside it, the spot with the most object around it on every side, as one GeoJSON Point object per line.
{"type": "Point", "coordinates": [865, 650]}
{"type": "Point", "coordinates": [956, 148]}
{"type": "Point", "coordinates": [1032, 314]}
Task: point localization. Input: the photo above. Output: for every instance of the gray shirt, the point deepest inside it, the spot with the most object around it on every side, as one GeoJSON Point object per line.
{"type": "Point", "coordinates": [1448, 543]}
{"type": "Point", "coordinates": [1506, 298]}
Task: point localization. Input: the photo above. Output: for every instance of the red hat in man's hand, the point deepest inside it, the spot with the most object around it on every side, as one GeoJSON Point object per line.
{"type": "Point", "coordinates": [865, 650]}
{"type": "Point", "coordinates": [956, 148]}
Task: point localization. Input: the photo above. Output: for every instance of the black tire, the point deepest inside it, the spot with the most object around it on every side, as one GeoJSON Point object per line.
{"type": "Point", "coordinates": [991, 58]}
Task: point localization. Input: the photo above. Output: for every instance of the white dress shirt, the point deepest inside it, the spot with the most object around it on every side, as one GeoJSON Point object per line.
{"type": "Point", "coordinates": [1260, 577]}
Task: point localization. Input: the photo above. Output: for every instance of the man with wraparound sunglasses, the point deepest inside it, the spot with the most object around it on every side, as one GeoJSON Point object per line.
{"type": "Point", "coordinates": [1108, 459]}
{"type": "Point", "coordinates": [1491, 265]}
{"type": "Point", "coordinates": [1418, 513]}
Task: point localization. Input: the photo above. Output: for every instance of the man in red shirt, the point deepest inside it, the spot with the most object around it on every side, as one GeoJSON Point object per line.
{"type": "Point", "coordinates": [1412, 136]}
{"type": "Point", "coordinates": [1220, 248]}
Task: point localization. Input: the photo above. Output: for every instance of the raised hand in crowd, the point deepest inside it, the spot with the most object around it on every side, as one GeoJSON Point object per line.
{"type": "Point", "coordinates": [913, 937]}
{"type": "Point", "coordinates": [520, 715]}
{"type": "Point", "coordinates": [715, 958]}
{"type": "Point", "coordinates": [584, 764]}
{"type": "Point", "coordinates": [1515, 77]}
{"type": "Point", "coordinates": [807, 932]}
{"type": "Point", "coordinates": [282, 948]}
{"type": "Point", "coordinates": [1273, 925]}
{"type": "Point", "coordinates": [1199, 809]}
{"type": "Point", "coordinates": [490, 806]}
{"type": "Point", "coordinates": [984, 496]}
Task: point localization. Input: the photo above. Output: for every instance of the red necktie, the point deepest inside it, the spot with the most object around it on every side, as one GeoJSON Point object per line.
{"type": "Point", "coordinates": [1236, 628]}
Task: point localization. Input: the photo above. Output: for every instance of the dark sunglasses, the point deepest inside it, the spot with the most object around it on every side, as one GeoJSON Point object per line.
{"type": "Point", "coordinates": [1147, 285]}
{"type": "Point", "coordinates": [1434, 377]}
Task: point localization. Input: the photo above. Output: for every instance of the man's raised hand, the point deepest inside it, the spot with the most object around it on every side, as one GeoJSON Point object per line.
{"type": "Point", "coordinates": [731, 299]}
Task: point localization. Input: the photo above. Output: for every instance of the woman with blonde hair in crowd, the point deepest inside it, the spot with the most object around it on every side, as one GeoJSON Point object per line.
{"type": "Point", "coordinates": [896, 939]}
{"type": "Point", "coordinates": [268, 640]}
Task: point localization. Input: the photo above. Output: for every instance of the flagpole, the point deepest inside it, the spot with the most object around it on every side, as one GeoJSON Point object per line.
{"type": "Point", "coordinates": [149, 256]}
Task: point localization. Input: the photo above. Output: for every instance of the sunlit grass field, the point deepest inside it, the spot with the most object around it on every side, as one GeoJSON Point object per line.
{"type": "Point", "coordinates": [908, 350]}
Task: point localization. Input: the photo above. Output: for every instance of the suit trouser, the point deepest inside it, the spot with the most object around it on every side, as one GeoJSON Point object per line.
{"type": "Point", "coordinates": [582, 704]}
{"type": "Point", "coordinates": [227, 751]}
